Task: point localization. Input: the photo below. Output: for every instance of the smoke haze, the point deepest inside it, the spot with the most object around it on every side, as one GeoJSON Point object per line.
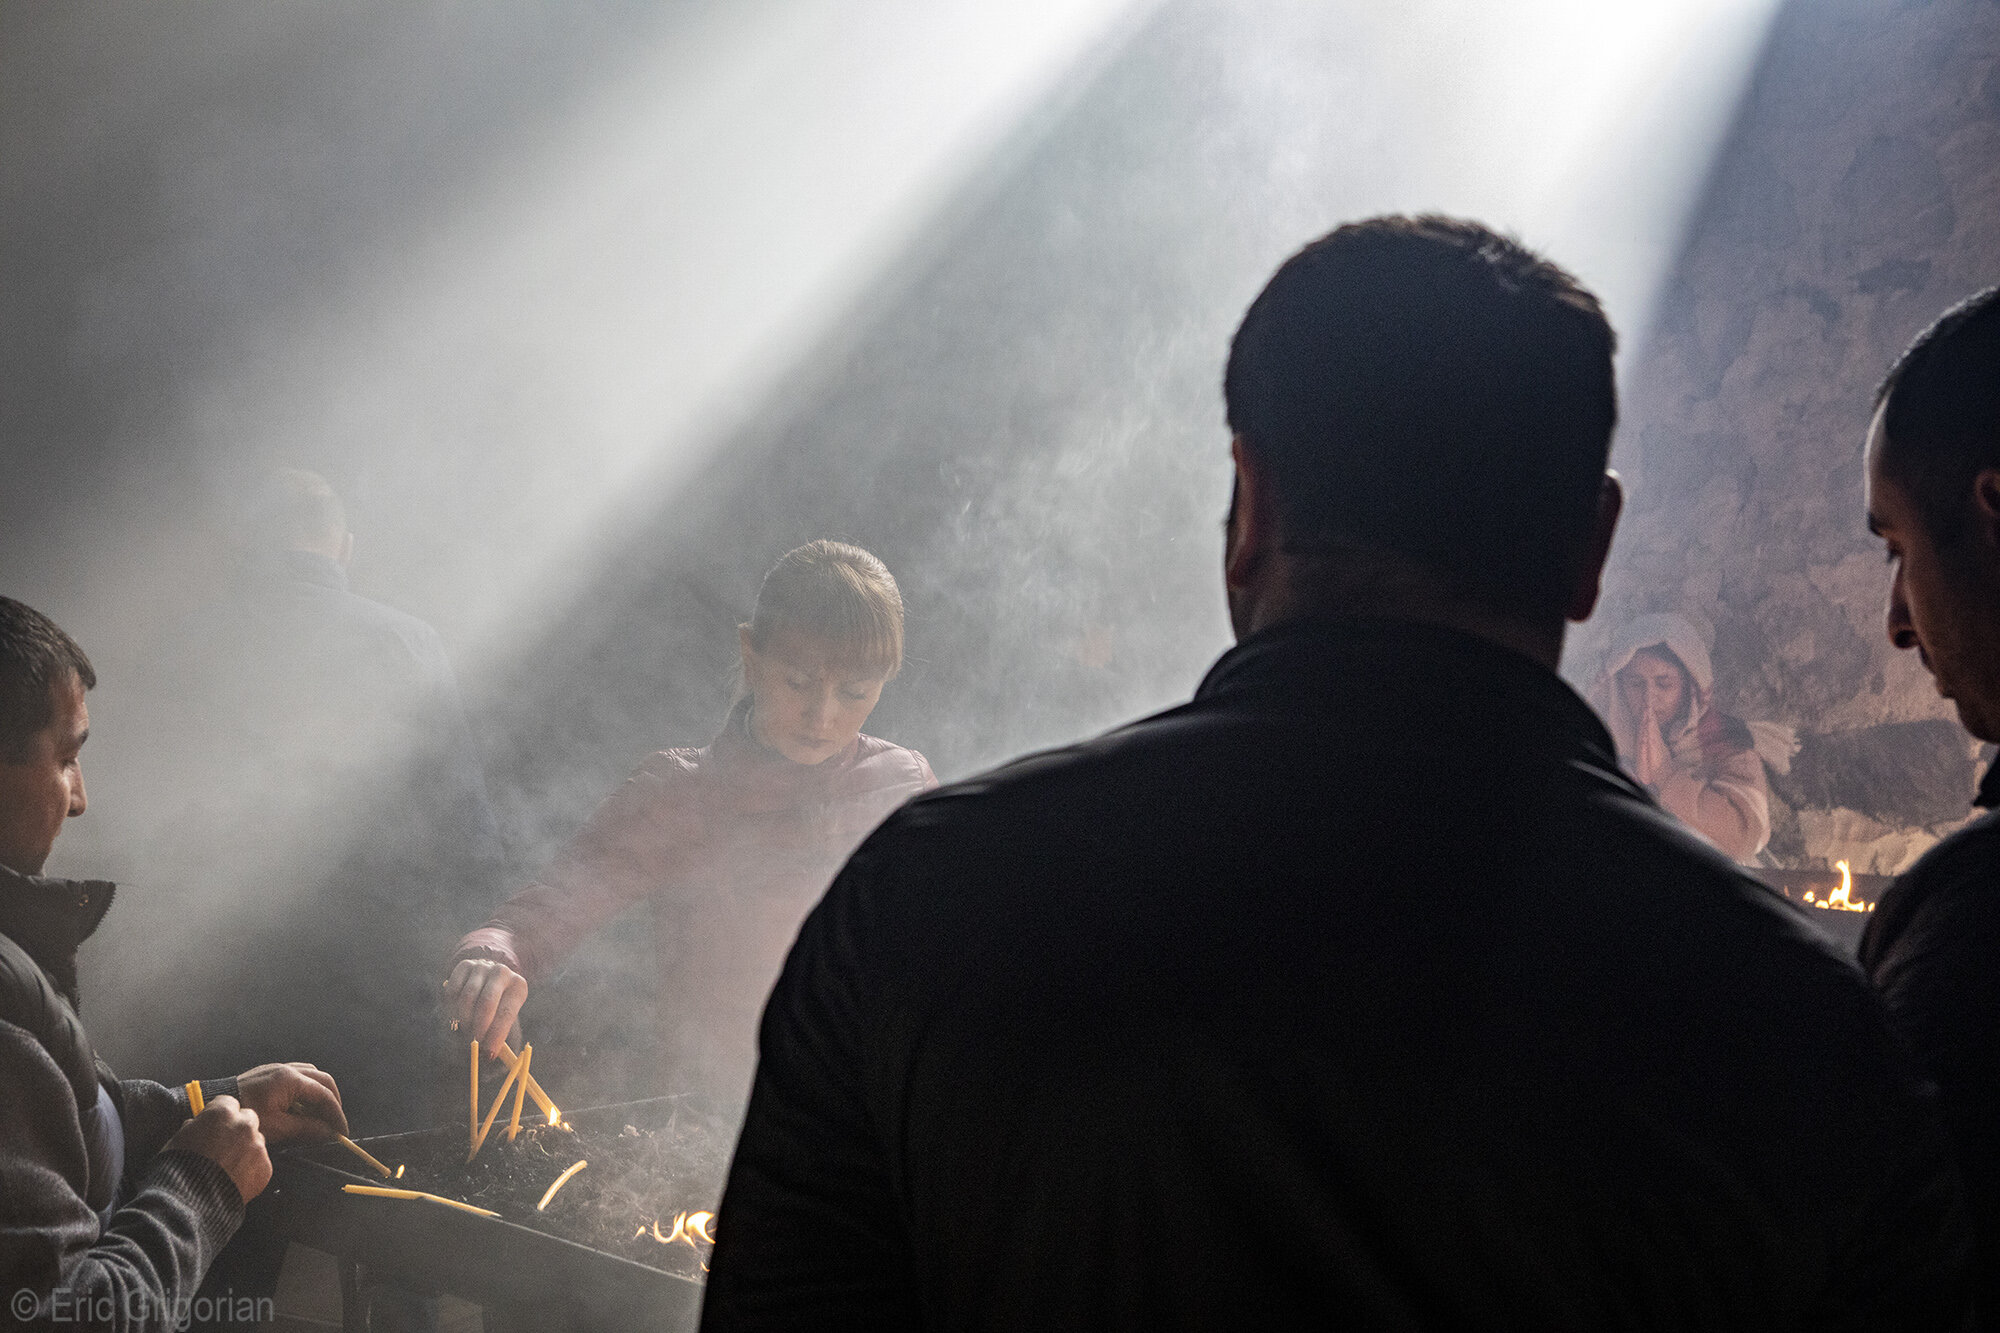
{"type": "Point", "coordinates": [590, 314]}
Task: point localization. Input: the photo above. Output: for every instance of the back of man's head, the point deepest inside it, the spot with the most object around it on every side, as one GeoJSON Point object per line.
{"type": "Point", "coordinates": [1941, 413]}
{"type": "Point", "coordinates": [37, 662]}
{"type": "Point", "coordinates": [296, 510]}
{"type": "Point", "coordinates": [1428, 389]}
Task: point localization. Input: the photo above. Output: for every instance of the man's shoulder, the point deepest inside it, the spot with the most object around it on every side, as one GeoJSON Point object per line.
{"type": "Point", "coordinates": [1210, 781]}
{"type": "Point", "coordinates": [381, 620]}
{"type": "Point", "coordinates": [1968, 857]}
{"type": "Point", "coordinates": [1950, 896]}
{"type": "Point", "coordinates": [1104, 770]}
{"type": "Point", "coordinates": [1192, 755]}
{"type": "Point", "coordinates": [29, 1002]}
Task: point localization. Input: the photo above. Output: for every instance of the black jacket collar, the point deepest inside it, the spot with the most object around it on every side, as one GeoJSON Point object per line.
{"type": "Point", "coordinates": [49, 918]}
{"type": "Point", "coordinates": [1418, 675]}
{"type": "Point", "coordinates": [1989, 786]}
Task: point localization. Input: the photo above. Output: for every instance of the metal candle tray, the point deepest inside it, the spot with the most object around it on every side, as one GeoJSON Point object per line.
{"type": "Point", "coordinates": [1811, 888]}
{"type": "Point", "coordinates": [521, 1278]}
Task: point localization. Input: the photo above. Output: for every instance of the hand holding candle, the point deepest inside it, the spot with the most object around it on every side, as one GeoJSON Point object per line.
{"type": "Point", "coordinates": [227, 1133]}
{"type": "Point", "coordinates": [484, 997]}
{"type": "Point", "coordinates": [295, 1103]}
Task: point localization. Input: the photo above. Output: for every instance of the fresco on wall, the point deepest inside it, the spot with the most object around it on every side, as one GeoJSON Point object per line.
{"type": "Point", "coordinates": [1859, 197]}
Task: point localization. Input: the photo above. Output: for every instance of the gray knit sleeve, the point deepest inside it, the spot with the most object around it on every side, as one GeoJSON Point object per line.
{"type": "Point", "coordinates": [58, 1266]}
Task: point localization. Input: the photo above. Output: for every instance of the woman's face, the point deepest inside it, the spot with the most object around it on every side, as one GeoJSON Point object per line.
{"type": "Point", "coordinates": [1654, 681]}
{"type": "Point", "coordinates": [807, 702]}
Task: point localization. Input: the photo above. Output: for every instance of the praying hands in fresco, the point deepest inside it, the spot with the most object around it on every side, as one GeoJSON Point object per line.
{"type": "Point", "coordinates": [1703, 765]}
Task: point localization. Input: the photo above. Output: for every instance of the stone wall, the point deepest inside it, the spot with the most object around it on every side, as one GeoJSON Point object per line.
{"type": "Point", "coordinates": [1858, 197]}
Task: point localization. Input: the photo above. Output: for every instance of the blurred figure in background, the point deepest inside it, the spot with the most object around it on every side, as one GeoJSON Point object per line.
{"type": "Point", "coordinates": [334, 790]}
{"type": "Point", "coordinates": [731, 843]}
{"type": "Point", "coordinates": [1704, 766]}
{"type": "Point", "coordinates": [1933, 942]}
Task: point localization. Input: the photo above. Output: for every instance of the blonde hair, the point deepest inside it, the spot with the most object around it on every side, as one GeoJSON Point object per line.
{"type": "Point", "coordinates": [839, 593]}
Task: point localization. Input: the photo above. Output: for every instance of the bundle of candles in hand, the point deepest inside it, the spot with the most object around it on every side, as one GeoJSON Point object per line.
{"type": "Point", "coordinates": [646, 1195]}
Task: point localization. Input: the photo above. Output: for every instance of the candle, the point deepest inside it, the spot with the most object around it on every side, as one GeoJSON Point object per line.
{"type": "Point", "coordinates": [542, 1098]}
{"type": "Point", "coordinates": [472, 1126]}
{"type": "Point", "coordinates": [520, 1089]}
{"type": "Point", "coordinates": [479, 1140]}
{"type": "Point", "coordinates": [362, 1153]}
{"type": "Point", "coordinates": [561, 1181]}
{"type": "Point", "coordinates": [381, 1192]}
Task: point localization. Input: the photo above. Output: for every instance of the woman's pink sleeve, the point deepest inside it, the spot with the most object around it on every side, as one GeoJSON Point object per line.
{"type": "Point", "coordinates": [633, 844]}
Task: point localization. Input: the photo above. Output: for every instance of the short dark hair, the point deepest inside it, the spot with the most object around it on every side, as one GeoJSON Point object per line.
{"type": "Point", "coordinates": [36, 659]}
{"type": "Point", "coordinates": [1942, 425]}
{"type": "Point", "coordinates": [1428, 388]}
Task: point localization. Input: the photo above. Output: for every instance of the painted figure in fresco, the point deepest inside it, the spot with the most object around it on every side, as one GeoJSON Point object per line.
{"type": "Point", "coordinates": [1705, 766]}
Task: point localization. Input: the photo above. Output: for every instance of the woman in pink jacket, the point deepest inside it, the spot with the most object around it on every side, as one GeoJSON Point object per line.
{"type": "Point", "coordinates": [732, 843]}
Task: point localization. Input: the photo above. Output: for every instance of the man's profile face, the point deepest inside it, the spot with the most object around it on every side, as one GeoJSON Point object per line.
{"type": "Point", "coordinates": [1944, 604]}
{"type": "Point", "coordinates": [42, 788]}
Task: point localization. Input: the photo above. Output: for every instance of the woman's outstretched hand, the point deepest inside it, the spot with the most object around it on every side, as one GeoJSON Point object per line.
{"type": "Point", "coordinates": [484, 998]}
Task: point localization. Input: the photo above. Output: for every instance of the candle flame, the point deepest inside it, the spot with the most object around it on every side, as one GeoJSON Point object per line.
{"type": "Point", "coordinates": [692, 1229]}
{"type": "Point", "coordinates": [1840, 900]}
{"type": "Point", "coordinates": [688, 1229]}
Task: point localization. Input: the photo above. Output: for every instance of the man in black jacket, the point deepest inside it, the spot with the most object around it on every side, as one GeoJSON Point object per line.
{"type": "Point", "coordinates": [113, 1201]}
{"type": "Point", "coordinates": [1363, 991]}
{"type": "Point", "coordinates": [1933, 945]}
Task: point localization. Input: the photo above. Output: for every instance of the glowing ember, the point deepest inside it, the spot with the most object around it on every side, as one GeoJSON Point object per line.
{"type": "Point", "coordinates": [1838, 900]}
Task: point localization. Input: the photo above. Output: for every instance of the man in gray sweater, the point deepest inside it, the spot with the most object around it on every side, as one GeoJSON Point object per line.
{"type": "Point", "coordinates": [114, 1200]}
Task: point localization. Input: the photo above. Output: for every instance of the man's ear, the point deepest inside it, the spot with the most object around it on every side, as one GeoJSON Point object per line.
{"type": "Point", "coordinates": [1590, 570]}
{"type": "Point", "coordinates": [1986, 510]}
{"type": "Point", "coordinates": [1252, 536]}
